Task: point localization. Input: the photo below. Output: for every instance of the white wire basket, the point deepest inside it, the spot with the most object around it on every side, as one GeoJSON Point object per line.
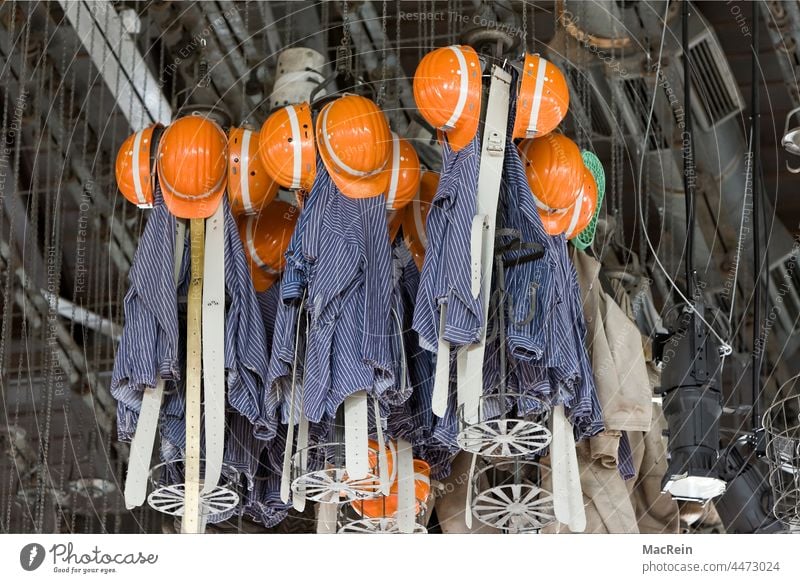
{"type": "Point", "coordinates": [513, 502]}
{"type": "Point", "coordinates": [782, 429]}
{"type": "Point", "coordinates": [499, 434]}
{"type": "Point", "coordinates": [169, 490]}
{"type": "Point", "coordinates": [318, 473]}
{"type": "Point", "coordinates": [376, 526]}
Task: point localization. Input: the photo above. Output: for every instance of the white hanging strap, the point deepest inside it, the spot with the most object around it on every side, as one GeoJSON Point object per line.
{"type": "Point", "coordinates": [441, 380]}
{"type": "Point", "coordinates": [468, 502]}
{"type": "Point", "coordinates": [356, 435]}
{"type": "Point", "coordinates": [383, 459]}
{"type": "Point", "coordinates": [480, 223]}
{"type": "Point", "coordinates": [327, 515]}
{"type": "Point", "coordinates": [567, 492]}
{"type": "Point", "coordinates": [286, 471]}
{"type": "Point", "coordinates": [299, 497]}
{"type": "Point", "coordinates": [470, 369]}
{"type": "Point", "coordinates": [143, 440]}
{"type": "Point", "coordinates": [194, 348]}
{"type": "Point", "coordinates": [406, 496]}
{"type": "Point", "coordinates": [214, 348]}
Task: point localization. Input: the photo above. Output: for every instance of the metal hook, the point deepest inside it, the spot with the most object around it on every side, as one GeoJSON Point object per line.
{"type": "Point", "coordinates": [788, 144]}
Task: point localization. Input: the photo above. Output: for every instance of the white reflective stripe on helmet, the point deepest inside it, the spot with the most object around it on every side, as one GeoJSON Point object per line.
{"type": "Point", "coordinates": [244, 184]}
{"type": "Point", "coordinates": [297, 148]}
{"type": "Point", "coordinates": [533, 121]}
{"type": "Point", "coordinates": [395, 177]}
{"type": "Point", "coordinates": [336, 160]}
{"type": "Point", "coordinates": [462, 91]}
{"type": "Point", "coordinates": [419, 223]}
{"type": "Point", "coordinates": [540, 205]}
{"type": "Point", "coordinates": [424, 478]}
{"type": "Point", "coordinates": [251, 247]}
{"type": "Point", "coordinates": [137, 180]}
{"type": "Point", "coordinates": [576, 215]}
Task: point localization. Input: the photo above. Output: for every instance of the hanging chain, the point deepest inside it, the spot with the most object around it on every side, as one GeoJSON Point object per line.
{"type": "Point", "coordinates": [433, 23]}
{"type": "Point", "coordinates": [450, 34]}
{"type": "Point", "coordinates": [344, 53]}
{"type": "Point", "coordinates": [8, 283]}
{"type": "Point", "coordinates": [398, 67]}
{"type": "Point", "coordinates": [245, 105]}
{"type": "Point", "coordinates": [524, 26]}
{"type": "Point", "coordinates": [620, 230]}
{"type": "Point", "coordinates": [420, 34]}
{"type": "Point", "coordinates": [382, 89]}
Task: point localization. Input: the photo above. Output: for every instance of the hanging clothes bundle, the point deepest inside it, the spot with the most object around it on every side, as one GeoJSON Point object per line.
{"type": "Point", "coordinates": [232, 350]}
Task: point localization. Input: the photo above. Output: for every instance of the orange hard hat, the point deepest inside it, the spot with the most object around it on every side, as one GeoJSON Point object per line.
{"type": "Point", "coordinates": [375, 460]}
{"type": "Point", "coordinates": [286, 147]}
{"type": "Point", "coordinates": [582, 209]}
{"type": "Point", "coordinates": [447, 91]}
{"type": "Point", "coordinates": [133, 167]}
{"type": "Point", "coordinates": [394, 219]}
{"type": "Point", "coordinates": [542, 100]}
{"type": "Point", "coordinates": [192, 166]}
{"type": "Point", "coordinates": [404, 174]}
{"type": "Point", "coordinates": [355, 145]}
{"type": "Point", "coordinates": [386, 506]}
{"type": "Point", "coordinates": [576, 218]}
{"type": "Point", "coordinates": [554, 223]}
{"type": "Point", "coordinates": [250, 188]}
{"type": "Point", "coordinates": [554, 168]}
{"type": "Point", "coordinates": [265, 238]}
{"type": "Point", "coordinates": [415, 216]}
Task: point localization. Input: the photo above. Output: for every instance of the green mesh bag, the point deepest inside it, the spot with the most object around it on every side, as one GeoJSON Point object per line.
{"type": "Point", "coordinates": [585, 237]}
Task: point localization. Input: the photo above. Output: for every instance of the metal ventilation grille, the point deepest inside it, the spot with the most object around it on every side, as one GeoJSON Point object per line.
{"type": "Point", "coordinates": [717, 96]}
{"type": "Point", "coordinates": [638, 98]}
{"type": "Point", "coordinates": [784, 290]}
{"type": "Point", "coordinates": [598, 112]}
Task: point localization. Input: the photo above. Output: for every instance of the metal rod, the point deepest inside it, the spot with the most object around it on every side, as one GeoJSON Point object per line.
{"type": "Point", "coordinates": [688, 158]}
{"type": "Point", "coordinates": [755, 173]}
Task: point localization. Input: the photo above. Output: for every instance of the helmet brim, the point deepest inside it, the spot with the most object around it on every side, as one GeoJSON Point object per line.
{"type": "Point", "coordinates": [262, 281]}
{"type": "Point", "coordinates": [358, 187]}
{"type": "Point", "coordinates": [460, 136]}
{"type": "Point", "coordinates": [195, 208]}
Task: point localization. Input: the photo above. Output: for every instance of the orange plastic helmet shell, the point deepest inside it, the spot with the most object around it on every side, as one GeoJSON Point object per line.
{"type": "Point", "coordinates": [543, 98]}
{"type": "Point", "coordinates": [447, 91]}
{"type": "Point", "coordinates": [394, 220]}
{"type": "Point", "coordinates": [416, 215]}
{"type": "Point", "coordinates": [265, 238]}
{"type": "Point", "coordinates": [133, 169]}
{"type": "Point", "coordinates": [386, 506]}
{"type": "Point", "coordinates": [374, 459]}
{"type": "Point", "coordinates": [404, 174]}
{"type": "Point", "coordinates": [554, 223]}
{"type": "Point", "coordinates": [576, 218]}
{"type": "Point", "coordinates": [287, 149]}
{"type": "Point", "coordinates": [582, 209]}
{"type": "Point", "coordinates": [250, 188]}
{"type": "Point", "coordinates": [554, 168]}
{"type": "Point", "coordinates": [355, 144]}
{"type": "Point", "coordinates": [192, 166]}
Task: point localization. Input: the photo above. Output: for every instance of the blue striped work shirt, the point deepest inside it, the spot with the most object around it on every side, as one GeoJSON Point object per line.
{"type": "Point", "coordinates": [149, 343]}
{"type": "Point", "coordinates": [341, 254]}
{"type": "Point", "coordinates": [446, 271]}
{"type": "Point", "coordinates": [150, 339]}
